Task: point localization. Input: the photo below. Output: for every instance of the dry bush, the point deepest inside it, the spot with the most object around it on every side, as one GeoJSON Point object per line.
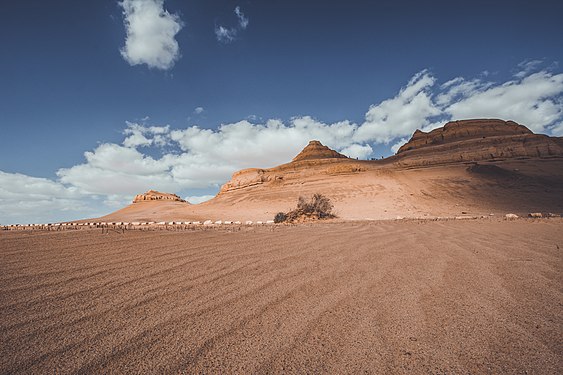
{"type": "Point", "coordinates": [280, 217]}
{"type": "Point", "coordinates": [318, 207]}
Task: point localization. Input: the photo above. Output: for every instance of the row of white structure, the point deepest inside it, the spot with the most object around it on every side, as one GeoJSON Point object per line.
{"type": "Point", "coordinates": [129, 225]}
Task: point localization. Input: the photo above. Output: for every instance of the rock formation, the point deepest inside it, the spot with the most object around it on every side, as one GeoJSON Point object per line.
{"type": "Point", "coordinates": [153, 195]}
{"type": "Point", "coordinates": [313, 155]}
{"type": "Point", "coordinates": [475, 140]}
{"type": "Point", "coordinates": [477, 166]}
{"type": "Point", "coordinates": [316, 150]}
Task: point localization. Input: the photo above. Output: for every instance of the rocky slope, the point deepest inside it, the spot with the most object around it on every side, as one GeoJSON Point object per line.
{"type": "Point", "coordinates": [153, 195]}
{"type": "Point", "coordinates": [306, 163]}
{"type": "Point", "coordinates": [316, 150]}
{"type": "Point", "coordinates": [476, 140]}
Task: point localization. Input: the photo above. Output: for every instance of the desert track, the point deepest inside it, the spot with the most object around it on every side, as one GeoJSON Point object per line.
{"type": "Point", "coordinates": [481, 296]}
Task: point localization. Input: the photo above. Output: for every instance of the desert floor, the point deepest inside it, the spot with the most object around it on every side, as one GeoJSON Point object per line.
{"type": "Point", "coordinates": [479, 296]}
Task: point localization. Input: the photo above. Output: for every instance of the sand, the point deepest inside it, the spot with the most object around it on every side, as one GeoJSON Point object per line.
{"type": "Point", "coordinates": [410, 297]}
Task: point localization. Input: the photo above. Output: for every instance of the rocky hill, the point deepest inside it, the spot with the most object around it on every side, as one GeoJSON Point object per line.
{"type": "Point", "coordinates": [470, 167]}
{"type": "Point", "coordinates": [153, 195]}
{"type": "Point", "coordinates": [315, 154]}
{"type": "Point", "coordinates": [477, 140]}
{"type": "Point", "coordinates": [316, 150]}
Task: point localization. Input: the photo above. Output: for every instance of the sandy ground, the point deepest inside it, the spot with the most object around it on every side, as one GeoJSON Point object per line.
{"type": "Point", "coordinates": [454, 297]}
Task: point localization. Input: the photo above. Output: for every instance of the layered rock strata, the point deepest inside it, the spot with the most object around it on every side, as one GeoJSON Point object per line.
{"type": "Point", "coordinates": [477, 140]}
{"type": "Point", "coordinates": [313, 155]}
{"type": "Point", "coordinates": [316, 150]}
{"type": "Point", "coordinates": [153, 195]}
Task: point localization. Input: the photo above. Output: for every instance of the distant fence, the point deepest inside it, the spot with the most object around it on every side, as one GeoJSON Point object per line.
{"type": "Point", "coordinates": [122, 227]}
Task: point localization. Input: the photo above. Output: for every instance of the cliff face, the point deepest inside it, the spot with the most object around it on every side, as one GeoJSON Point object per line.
{"type": "Point", "coordinates": [476, 140]}
{"type": "Point", "coordinates": [153, 195]}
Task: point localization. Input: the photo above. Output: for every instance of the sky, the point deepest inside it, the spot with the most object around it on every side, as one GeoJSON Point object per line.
{"type": "Point", "coordinates": [101, 100]}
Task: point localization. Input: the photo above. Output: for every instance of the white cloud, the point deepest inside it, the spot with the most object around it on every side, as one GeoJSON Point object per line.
{"type": "Point", "coordinates": [229, 34]}
{"type": "Point", "coordinates": [557, 130]}
{"type": "Point", "coordinates": [137, 135]}
{"type": "Point", "coordinates": [25, 199]}
{"type": "Point", "coordinates": [527, 66]}
{"type": "Point", "coordinates": [199, 199]}
{"type": "Point", "coordinates": [151, 32]}
{"type": "Point", "coordinates": [401, 115]}
{"type": "Point", "coordinates": [117, 170]}
{"type": "Point", "coordinates": [225, 35]}
{"type": "Point", "coordinates": [242, 20]}
{"type": "Point", "coordinates": [199, 110]}
{"type": "Point", "coordinates": [533, 100]}
{"type": "Point", "coordinates": [357, 151]}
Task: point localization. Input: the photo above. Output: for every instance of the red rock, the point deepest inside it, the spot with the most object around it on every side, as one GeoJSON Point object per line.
{"type": "Point", "coordinates": [316, 150]}
{"type": "Point", "coordinates": [475, 140]}
{"type": "Point", "coordinates": [153, 195]}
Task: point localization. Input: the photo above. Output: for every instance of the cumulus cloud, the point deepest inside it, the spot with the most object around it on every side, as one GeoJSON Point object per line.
{"type": "Point", "coordinates": [199, 110]}
{"type": "Point", "coordinates": [25, 199]}
{"type": "Point", "coordinates": [112, 169]}
{"type": "Point", "coordinates": [357, 151]}
{"type": "Point", "coordinates": [137, 135]}
{"type": "Point", "coordinates": [199, 199]}
{"type": "Point", "coordinates": [179, 160]}
{"type": "Point", "coordinates": [151, 32]}
{"type": "Point", "coordinates": [229, 34]}
{"type": "Point", "coordinates": [410, 109]}
{"type": "Point", "coordinates": [533, 100]}
{"type": "Point", "coordinates": [204, 158]}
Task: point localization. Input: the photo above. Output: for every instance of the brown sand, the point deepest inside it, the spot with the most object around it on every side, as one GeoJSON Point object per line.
{"type": "Point", "coordinates": [459, 297]}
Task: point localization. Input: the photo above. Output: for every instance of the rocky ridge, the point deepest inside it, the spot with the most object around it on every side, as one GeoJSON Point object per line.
{"type": "Point", "coordinates": [316, 150]}
{"type": "Point", "coordinates": [464, 141]}
{"type": "Point", "coordinates": [313, 155]}
{"type": "Point", "coordinates": [457, 141]}
{"type": "Point", "coordinates": [476, 140]}
{"type": "Point", "coordinates": [153, 195]}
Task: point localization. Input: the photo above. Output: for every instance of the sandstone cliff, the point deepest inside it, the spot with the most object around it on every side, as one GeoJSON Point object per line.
{"type": "Point", "coordinates": [316, 150]}
{"type": "Point", "coordinates": [307, 163]}
{"type": "Point", "coordinates": [153, 195]}
{"type": "Point", "coordinates": [455, 142]}
{"type": "Point", "coordinates": [476, 140]}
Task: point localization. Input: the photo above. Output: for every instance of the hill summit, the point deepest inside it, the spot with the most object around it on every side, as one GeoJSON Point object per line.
{"type": "Point", "coordinates": [153, 195]}
{"type": "Point", "coordinates": [477, 140]}
{"type": "Point", "coordinates": [316, 150]}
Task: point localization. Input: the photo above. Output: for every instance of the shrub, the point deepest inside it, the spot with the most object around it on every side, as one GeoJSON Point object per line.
{"type": "Point", "coordinates": [318, 207]}
{"type": "Point", "coordinates": [280, 217]}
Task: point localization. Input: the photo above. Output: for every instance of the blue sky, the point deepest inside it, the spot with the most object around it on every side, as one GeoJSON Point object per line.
{"type": "Point", "coordinates": [100, 100]}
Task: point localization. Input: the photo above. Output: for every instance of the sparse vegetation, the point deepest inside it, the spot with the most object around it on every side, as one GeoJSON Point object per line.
{"type": "Point", "coordinates": [318, 207]}
{"type": "Point", "coordinates": [280, 217]}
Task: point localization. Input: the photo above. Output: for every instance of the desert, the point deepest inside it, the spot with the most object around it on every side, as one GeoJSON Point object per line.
{"type": "Point", "coordinates": [281, 187]}
{"type": "Point", "coordinates": [444, 258]}
{"type": "Point", "coordinates": [472, 296]}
